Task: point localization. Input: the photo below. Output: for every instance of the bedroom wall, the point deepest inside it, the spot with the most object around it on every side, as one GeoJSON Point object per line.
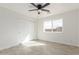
{"type": "Point", "coordinates": [78, 27]}
{"type": "Point", "coordinates": [14, 28]}
{"type": "Point", "coordinates": [70, 29]}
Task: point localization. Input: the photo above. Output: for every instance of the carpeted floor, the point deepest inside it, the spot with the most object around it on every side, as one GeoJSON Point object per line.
{"type": "Point", "coordinates": [41, 48]}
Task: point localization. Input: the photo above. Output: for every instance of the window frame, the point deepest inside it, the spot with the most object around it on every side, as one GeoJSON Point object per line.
{"type": "Point", "coordinates": [52, 27]}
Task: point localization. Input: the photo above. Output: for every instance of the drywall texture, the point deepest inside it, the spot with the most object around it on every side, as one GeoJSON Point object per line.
{"type": "Point", "coordinates": [14, 28]}
{"type": "Point", "coordinates": [70, 29]}
{"type": "Point", "coordinates": [78, 27]}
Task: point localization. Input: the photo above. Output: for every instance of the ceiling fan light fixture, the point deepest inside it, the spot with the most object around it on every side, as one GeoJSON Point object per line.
{"type": "Point", "coordinates": [40, 7]}
{"type": "Point", "coordinates": [39, 11]}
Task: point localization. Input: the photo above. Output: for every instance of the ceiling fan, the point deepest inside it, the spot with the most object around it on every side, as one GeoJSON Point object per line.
{"type": "Point", "coordinates": [40, 7]}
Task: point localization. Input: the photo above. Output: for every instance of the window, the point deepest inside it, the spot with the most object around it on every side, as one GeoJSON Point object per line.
{"type": "Point", "coordinates": [47, 26]}
{"type": "Point", "coordinates": [57, 25]}
{"type": "Point", "coordinates": [53, 25]}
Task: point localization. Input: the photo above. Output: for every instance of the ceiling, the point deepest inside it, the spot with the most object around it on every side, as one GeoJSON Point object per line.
{"type": "Point", "coordinates": [55, 8]}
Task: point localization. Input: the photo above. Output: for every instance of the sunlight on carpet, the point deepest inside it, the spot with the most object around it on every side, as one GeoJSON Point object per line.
{"type": "Point", "coordinates": [33, 43]}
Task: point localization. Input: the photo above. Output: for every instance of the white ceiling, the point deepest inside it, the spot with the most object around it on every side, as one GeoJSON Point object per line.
{"type": "Point", "coordinates": [55, 8]}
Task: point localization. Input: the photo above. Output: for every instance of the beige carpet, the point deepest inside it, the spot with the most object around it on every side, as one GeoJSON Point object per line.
{"type": "Point", "coordinates": [41, 48]}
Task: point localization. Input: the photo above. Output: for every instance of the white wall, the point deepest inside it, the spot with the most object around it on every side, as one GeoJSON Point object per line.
{"type": "Point", "coordinates": [14, 28]}
{"type": "Point", "coordinates": [78, 27]}
{"type": "Point", "coordinates": [70, 32]}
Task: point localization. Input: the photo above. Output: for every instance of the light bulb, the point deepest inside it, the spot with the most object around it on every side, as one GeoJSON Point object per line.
{"type": "Point", "coordinates": [39, 11]}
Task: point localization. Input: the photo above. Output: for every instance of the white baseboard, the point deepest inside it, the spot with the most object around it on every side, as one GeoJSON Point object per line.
{"type": "Point", "coordinates": [9, 46]}
{"type": "Point", "coordinates": [61, 43]}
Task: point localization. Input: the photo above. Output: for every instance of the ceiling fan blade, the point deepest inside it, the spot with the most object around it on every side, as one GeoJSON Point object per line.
{"type": "Point", "coordinates": [34, 5]}
{"type": "Point", "coordinates": [45, 10]}
{"type": "Point", "coordinates": [33, 10]}
{"type": "Point", "coordinates": [45, 5]}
